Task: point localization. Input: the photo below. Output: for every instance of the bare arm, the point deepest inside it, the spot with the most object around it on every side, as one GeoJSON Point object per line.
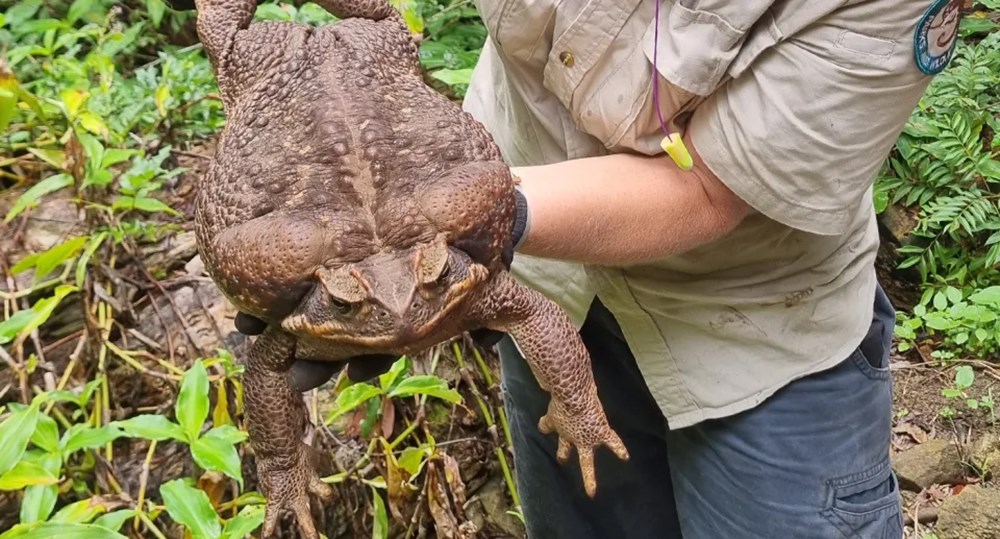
{"type": "Point", "coordinates": [622, 209]}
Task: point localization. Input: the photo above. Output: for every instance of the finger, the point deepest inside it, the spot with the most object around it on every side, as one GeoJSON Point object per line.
{"type": "Point", "coordinates": [305, 520]}
{"type": "Point", "coordinates": [545, 425]}
{"type": "Point", "coordinates": [249, 325]}
{"type": "Point", "coordinates": [320, 489]}
{"type": "Point", "coordinates": [565, 449]}
{"type": "Point", "coordinates": [364, 368]}
{"type": "Point", "coordinates": [587, 469]}
{"type": "Point", "coordinates": [616, 445]}
{"type": "Point", "coordinates": [305, 375]}
{"type": "Point", "coordinates": [270, 522]}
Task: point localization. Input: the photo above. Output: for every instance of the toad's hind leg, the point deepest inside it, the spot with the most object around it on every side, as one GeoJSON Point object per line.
{"type": "Point", "coordinates": [277, 420]}
{"type": "Point", "coordinates": [560, 362]}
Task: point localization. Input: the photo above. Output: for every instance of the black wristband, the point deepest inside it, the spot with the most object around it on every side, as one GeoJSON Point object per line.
{"type": "Point", "coordinates": [517, 234]}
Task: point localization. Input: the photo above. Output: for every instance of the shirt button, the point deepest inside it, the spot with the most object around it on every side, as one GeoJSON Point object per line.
{"type": "Point", "coordinates": [567, 59]}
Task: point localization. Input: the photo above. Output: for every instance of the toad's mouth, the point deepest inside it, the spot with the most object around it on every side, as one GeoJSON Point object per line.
{"type": "Point", "coordinates": [404, 337]}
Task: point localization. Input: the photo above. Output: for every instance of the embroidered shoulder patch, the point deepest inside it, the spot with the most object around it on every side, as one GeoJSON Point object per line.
{"type": "Point", "coordinates": [936, 35]}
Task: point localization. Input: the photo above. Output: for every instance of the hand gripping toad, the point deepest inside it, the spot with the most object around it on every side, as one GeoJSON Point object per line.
{"type": "Point", "coordinates": [358, 212]}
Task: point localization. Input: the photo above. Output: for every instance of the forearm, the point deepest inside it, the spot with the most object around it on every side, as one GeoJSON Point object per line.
{"type": "Point", "coordinates": [621, 209]}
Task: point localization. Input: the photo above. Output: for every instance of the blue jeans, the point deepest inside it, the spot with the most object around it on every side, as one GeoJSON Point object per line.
{"type": "Point", "coordinates": [810, 462]}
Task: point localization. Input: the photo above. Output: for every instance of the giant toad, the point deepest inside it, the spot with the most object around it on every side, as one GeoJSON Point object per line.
{"type": "Point", "coordinates": [359, 212]}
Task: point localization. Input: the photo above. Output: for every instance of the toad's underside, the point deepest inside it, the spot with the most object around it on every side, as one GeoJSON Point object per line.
{"type": "Point", "coordinates": [358, 212]}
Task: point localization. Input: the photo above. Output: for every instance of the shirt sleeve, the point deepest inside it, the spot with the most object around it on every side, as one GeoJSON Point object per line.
{"type": "Point", "coordinates": [801, 133]}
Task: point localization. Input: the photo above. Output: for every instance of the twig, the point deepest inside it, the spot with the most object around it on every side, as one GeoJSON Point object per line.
{"type": "Point", "coordinates": [143, 481]}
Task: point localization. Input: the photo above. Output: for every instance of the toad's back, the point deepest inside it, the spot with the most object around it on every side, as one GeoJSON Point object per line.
{"type": "Point", "coordinates": [338, 127]}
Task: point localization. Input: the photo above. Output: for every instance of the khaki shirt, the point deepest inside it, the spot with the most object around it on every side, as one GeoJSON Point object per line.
{"type": "Point", "coordinates": [794, 105]}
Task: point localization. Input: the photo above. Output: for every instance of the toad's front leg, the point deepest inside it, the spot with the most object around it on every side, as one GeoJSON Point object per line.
{"type": "Point", "coordinates": [277, 419]}
{"type": "Point", "coordinates": [560, 362]}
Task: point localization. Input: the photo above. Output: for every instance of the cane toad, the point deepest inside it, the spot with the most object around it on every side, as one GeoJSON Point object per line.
{"type": "Point", "coordinates": [357, 211]}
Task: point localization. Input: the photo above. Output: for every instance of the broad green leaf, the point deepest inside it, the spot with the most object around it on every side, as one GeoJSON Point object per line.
{"type": "Point", "coordinates": [987, 296]}
{"type": "Point", "coordinates": [964, 376]}
{"type": "Point", "coordinates": [352, 397]}
{"type": "Point", "coordinates": [43, 308]}
{"type": "Point", "coordinates": [216, 454]}
{"type": "Point", "coordinates": [60, 530]}
{"type": "Point", "coordinates": [161, 97]}
{"type": "Point", "coordinates": [79, 512]}
{"type": "Point", "coordinates": [192, 400]}
{"type": "Point", "coordinates": [155, 8]}
{"type": "Point", "coordinates": [388, 378]}
{"type": "Point", "coordinates": [22, 11]}
{"type": "Point", "coordinates": [93, 123]}
{"type": "Point", "coordinates": [413, 459]}
{"type": "Point", "coordinates": [954, 294]}
{"type": "Point", "coordinates": [141, 203]}
{"type": "Point", "coordinates": [56, 158]}
{"type": "Point", "coordinates": [939, 322]}
{"type": "Point", "coordinates": [452, 77]}
{"type": "Point", "coordinates": [40, 500]}
{"type": "Point", "coordinates": [10, 327]}
{"type": "Point", "coordinates": [426, 385]}
{"type": "Point", "coordinates": [30, 197]}
{"type": "Point", "coordinates": [45, 262]}
{"type": "Point", "coordinates": [24, 474]}
{"type": "Point", "coordinates": [15, 431]}
{"type": "Point", "coordinates": [46, 435]}
{"type": "Point", "coordinates": [228, 433]}
{"type": "Point", "coordinates": [380, 526]}
{"type": "Point", "coordinates": [990, 169]}
{"type": "Point", "coordinates": [81, 436]}
{"type": "Point", "coordinates": [115, 519]}
{"type": "Point", "coordinates": [93, 148]}
{"type": "Point", "coordinates": [249, 519]}
{"type": "Point", "coordinates": [961, 338]}
{"type": "Point", "coordinates": [8, 100]}
{"type": "Point", "coordinates": [982, 334]}
{"type": "Point", "coordinates": [113, 156]}
{"type": "Point", "coordinates": [78, 8]}
{"type": "Point", "coordinates": [940, 301]}
{"type": "Point", "coordinates": [151, 427]}
{"type": "Point", "coordinates": [190, 507]}
{"type": "Point", "coordinates": [73, 99]}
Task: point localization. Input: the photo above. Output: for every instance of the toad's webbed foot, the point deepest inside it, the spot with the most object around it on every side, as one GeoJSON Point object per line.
{"type": "Point", "coordinates": [560, 362]}
{"type": "Point", "coordinates": [288, 489]}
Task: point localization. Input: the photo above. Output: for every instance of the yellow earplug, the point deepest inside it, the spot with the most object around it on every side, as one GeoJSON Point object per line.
{"type": "Point", "coordinates": [673, 144]}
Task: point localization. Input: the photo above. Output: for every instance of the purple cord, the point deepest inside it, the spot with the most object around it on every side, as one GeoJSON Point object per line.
{"type": "Point", "coordinates": [656, 73]}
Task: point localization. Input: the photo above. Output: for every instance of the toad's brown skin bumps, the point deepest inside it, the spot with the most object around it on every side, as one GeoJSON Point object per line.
{"type": "Point", "coordinates": [359, 212]}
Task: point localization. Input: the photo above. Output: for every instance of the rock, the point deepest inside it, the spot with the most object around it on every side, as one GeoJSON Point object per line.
{"type": "Point", "coordinates": [936, 461]}
{"type": "Point", "coordinates": [488, 510]}
{"type": "Point", "coordinates": [985, 453]}
{"type": "Point", "coordinates": [899, 222]}
{"type": "Point", "coordinates": [972, 514]}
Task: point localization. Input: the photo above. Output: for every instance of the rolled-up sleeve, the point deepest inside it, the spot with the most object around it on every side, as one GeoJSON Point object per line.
{"type": "Point", "coordinates": [801, 133]}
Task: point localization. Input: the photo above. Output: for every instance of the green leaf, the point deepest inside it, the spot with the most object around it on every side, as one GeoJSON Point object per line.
{"type": "Point", "coordinates": [22, 11]}
{"type": "Point", "coordinates": [919, 310]}
{"type": "Point", "coordinates": [15, 431]}
{"type": "Point", "coordinates": [115, 519]}
{"type": "Point", "coordinates": [81, 436]}
{"type": "Point", "coordinates": [56, 158]}
{"type": "Point", "coordinates": [964, 376]}
{"type": "Point", "coordinates": [951, 393]}
{"type": "Point", "coordinates": [61, 530]}
{"type": "Point", "coordinates": [961, 338]}
{"type": "Point", "coordinates": [940, 322]}
{"type": "Point", "coordinates": [388, 378]}
{"type": "Point", "coordinates": [143, 204]}
{"type": "Point", "coordinates": [228, 433]}
{"type": "Point", "coordinates": [78, 8]}
{"type": "Point", "coordinates": [190, 507]}
{"type": "Point", "coordinates": [352, 397]}
{"type": "Point", "coordinates": [23, 324]}
{"type": "Point", "coordinates": [380, 526]}
{"type": "Point", "coordinates": [214, 453]}
{"type": "Point", "coordinates": [156, 8]}
{"type": "Point", "coordinates": [426, 385]}
{"type": "Point", "coordinates": [452, 77]}
{"type": "Point", "coordinates": [249, 519]}
{"type": "Point", "coordinates": [113, 156]}
{"type": "Point", "coordinates": [88, 252]}
{"type": "Point", "coordinates": [46, 434]}
{"type": "Point", "coordinates": [39, 500]}
{"type": "Point", "coordinates": [192, 400]}
{"type": "Point", "coordinates": [79, 512]}
{"type": "Point", "coordinates": [30, 198]}
{"type": "Point", "coordinates": [987, 296]}
{"type": "Point", "coordinates": [412, 459]}
{"type": "Point", "coordinates": [44, 263]}
{"type": "Point", "coordinates": [940, 301]}
{"type": "Point", "coordinates": [990, 169]}
{"type": "Point", "coordinates": [982, 334]}
{"type": "Point", "coordinates": [954, 294]}
{"type": "Point", "coordinates": [151, 427]}
{"type": "Point", "coordinates": [24, 474]}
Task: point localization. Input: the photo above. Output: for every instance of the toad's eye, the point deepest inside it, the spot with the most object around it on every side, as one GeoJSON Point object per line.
{"type": "Point", "coordinates": [445, 271]}
{"type": "Point", "coordinates": [342, 308]}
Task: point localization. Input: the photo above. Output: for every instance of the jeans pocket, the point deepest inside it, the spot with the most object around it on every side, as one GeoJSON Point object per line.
{"type": "Point", "coordinates": [866, 505]}
{"type": "Point", "coordinates": [871, 357]}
